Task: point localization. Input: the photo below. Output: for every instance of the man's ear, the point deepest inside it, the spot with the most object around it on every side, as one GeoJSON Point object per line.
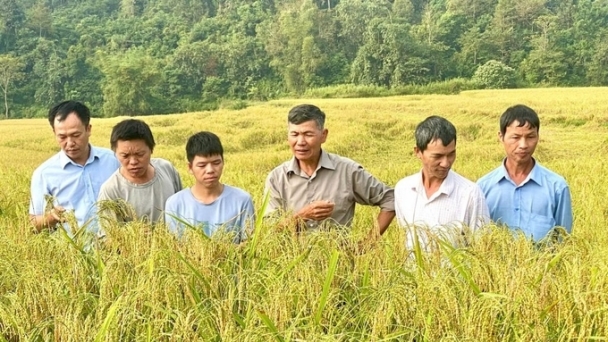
{"type": "Point", "coordinates": [417, 152]}
{"type": "Point", "coordinates": [325, 132]}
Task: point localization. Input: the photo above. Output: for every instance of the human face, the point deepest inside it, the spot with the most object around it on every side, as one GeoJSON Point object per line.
{"type": "Point", "coordinates": [519, 142]}
{"type": "Point", "coordinates": [305, 141]}
{"type": "Point", "coordinates": [134, 157]}
{"type": "Point", "coordinates": [73, 137]}
{"type": "Point", "coordinates": [207, 170]}
{"type": "Point", "coordinates": [437, 159]}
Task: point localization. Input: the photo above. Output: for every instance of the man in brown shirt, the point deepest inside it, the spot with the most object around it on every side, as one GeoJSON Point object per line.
{"type": "Point", "coordinates": [317, 187]}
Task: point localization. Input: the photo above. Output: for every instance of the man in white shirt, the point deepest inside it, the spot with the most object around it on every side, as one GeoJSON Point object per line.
{"type": "Point", "coordinates": [437, 203]}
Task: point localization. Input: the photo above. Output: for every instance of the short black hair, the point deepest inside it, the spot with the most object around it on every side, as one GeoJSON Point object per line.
{"type": "Point", "coordinates": [306, 112]}
{"type": "Point", "coordinates": [132, 129]}
{"type": "Point", "coordinates": [65, 108]}
{"type": "Point", "coordinates": [432, 128]}
{"type": "Point", "coordinates": [520, 113]}
{"type": "Point", "coordinates": [204, 144]}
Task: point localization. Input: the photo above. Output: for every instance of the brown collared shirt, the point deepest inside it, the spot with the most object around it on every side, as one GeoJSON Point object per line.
{"type": "Point", "coordinates": [337, 179]}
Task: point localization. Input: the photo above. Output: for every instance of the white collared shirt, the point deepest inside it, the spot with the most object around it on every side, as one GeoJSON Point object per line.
{"type": "Point", "coordinates": [456, 208]}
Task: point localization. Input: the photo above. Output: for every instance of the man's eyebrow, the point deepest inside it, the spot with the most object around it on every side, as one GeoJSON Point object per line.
{"type": "Point", "coordinates": [442, 154]}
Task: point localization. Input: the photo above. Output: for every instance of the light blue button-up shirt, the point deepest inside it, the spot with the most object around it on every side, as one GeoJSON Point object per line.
{"type": "Point", "coordinates": [72, 186]}
{"type": "Point", "coordinates": [541, 202]}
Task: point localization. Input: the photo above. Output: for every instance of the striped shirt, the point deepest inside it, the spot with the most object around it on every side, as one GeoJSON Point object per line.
{"type": "Point", "coordinates": [455, 209]}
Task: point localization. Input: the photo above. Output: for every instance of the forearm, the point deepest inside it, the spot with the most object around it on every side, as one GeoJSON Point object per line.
{"type": "Point", "coordinates": [384, 220]}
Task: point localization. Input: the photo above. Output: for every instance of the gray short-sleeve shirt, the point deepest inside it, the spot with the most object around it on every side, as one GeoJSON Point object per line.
{"type": "Point", "coordinates": [148, 199]}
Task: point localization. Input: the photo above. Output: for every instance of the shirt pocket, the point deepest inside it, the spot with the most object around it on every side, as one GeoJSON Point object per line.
{"type": "Point", "coordinates": [539, 226]}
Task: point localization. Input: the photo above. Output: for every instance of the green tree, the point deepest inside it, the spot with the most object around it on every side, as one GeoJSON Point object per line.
{"type": "Point", "coordinates": [39, 19]}
{"type": "Point", "coordinates": [354, 17]}
{"type": "Point", "coordinates": [598, 66]}
{"type": "Point", "coordinates": [82, 78]}
{"type": "Point", "coordinates": [291, 43]}
{"type": "Point", "coordinates": [436, 31]}
{"type": "Point", "coordinates": [130, 84]}
{"type": "Point", "coordinates": [11, 19]}
{"type": "Point", "coordinates": [46, 63]}
{"type": "Point", "coordinates": [11, 70]}
{"type": "Point", "coordinates": [472, 43]}
{"type": "Point", "coordinates": [472, 9]}
{"type": "Point", "coordinates": [389, 57]}
{"type": "Point", "coordinates": [495, 74]}
{"type": "Point", "coordinates": [546, 63]}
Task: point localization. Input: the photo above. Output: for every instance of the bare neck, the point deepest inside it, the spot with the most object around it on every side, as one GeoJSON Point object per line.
{"type": "Point", "coordinates": [82, 161]}
{"type": "Point", "coordinates": [518, 172]}
{"type": "Point", "coordinates": [310, 166]}
{"type": "Point", "coordinates": [431, 184]}
{"type": "Point", "coordinates": [207, 194]}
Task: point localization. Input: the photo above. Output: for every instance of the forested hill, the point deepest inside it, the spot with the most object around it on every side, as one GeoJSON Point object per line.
{"type": "Point", "coordinates": [127, 57]}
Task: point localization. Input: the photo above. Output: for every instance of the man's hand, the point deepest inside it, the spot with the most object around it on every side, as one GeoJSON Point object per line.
{"type": "Point", "coordinates": [317, 211]}
{"type": "Point", "coordinates": [55, 216]}
{"type": "Point", "coordinates": [48, 220]}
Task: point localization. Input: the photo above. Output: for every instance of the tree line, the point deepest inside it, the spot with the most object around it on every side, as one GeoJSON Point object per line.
{"type": "Point", "coordinates": [134, 57]}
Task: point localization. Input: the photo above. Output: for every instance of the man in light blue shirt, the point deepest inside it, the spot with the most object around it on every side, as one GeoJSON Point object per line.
{"type": "Point", "coordinates": [521, 193]}
{"type": "Point", "coordinates": [69, 181]}
{"type": "Point", "coordinates": [209, 205]}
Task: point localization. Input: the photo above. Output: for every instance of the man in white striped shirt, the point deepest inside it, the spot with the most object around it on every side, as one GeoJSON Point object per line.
{"type": "Point", "coordinates": [437, 203]}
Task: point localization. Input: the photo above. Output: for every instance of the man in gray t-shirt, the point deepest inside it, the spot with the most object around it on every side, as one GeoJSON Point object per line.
{"type": "Point", "coordinates": [141, 182]}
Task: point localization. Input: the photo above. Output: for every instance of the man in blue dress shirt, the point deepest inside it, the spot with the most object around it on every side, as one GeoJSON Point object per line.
{"type": "Point", "coordinates": [69, 181]}
{"type": "Point", "coordinates": [521, 193]}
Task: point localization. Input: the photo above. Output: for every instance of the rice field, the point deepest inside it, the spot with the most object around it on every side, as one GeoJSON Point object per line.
{"type": "Point", "coordinates": [143, 285]}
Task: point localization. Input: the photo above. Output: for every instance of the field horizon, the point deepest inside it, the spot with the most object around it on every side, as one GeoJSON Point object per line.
{"type": "Point", "coordinates": [144, 285]}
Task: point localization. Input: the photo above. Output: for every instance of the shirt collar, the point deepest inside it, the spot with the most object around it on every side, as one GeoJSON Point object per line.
{"type": "Point", "coordinates": [324, 162]}
{"type": "Point", "coordinates": [534, 175]}
{"type": "Point", "coordinates": [446, 187]}
{"type": "Point", "coordinates": [65, 160]}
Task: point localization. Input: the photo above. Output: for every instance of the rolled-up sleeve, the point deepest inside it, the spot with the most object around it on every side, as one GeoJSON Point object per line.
{"type": "Point", "coordinates": [368, 190]}
{"type": "Point", "coordinates": [272, 195]}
